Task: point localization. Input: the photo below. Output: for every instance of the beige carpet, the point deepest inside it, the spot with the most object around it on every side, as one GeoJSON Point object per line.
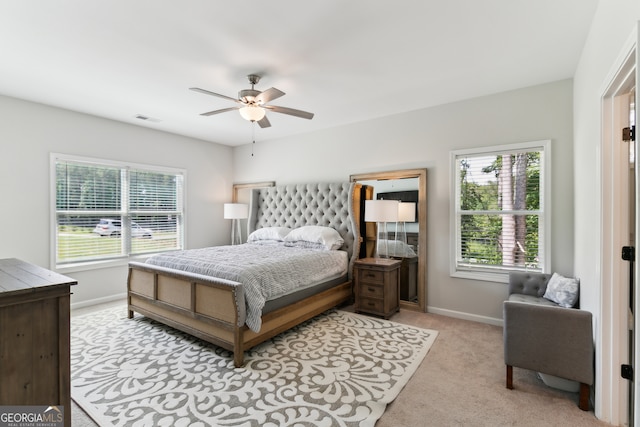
{"type": "Point", "coordinates": [461, 383]}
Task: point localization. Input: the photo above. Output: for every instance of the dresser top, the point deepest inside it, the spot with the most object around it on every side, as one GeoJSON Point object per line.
{"type": "Point", "coordinates": [19, 276]}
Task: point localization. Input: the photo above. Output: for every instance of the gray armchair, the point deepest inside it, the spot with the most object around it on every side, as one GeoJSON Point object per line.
{"type": "Point", "coordinates": [541, 336]}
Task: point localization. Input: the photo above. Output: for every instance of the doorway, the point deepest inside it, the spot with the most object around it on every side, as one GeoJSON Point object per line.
{"type": "Point", "coordinates": [619, 223]}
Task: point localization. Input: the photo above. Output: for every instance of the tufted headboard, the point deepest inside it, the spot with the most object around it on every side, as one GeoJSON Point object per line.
{"type": "Point", "coordinates": [335, 205]}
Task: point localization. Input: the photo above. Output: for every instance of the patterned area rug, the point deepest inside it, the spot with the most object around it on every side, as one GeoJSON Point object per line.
{"type": "Point", "coordinates": [337, 369]}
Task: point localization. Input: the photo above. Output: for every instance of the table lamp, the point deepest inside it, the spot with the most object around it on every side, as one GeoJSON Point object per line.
{"type": "Point", "coordinates": [236, 212]}
{"type": "Point", "coordinates": [406, 213]}
{"type": "Point", "coordinates": [381, 212]}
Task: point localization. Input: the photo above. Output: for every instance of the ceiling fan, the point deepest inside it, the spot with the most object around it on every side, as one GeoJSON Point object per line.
{"type": "Point", "coordinates": [252, 103]}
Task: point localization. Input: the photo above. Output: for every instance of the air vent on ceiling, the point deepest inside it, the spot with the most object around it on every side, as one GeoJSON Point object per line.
{"type": "Point", "coordinates": [146, 118]}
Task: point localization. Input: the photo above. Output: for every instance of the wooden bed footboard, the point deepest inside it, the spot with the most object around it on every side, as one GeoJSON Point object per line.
{"type": "Point", "coordinates": [213, 309]}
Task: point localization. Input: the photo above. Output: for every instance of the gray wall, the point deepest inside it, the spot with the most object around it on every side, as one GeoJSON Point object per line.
{"type": "Point", "coordinates": [30, 132]}
{"type": "Point", "coordinates": [423, 139]}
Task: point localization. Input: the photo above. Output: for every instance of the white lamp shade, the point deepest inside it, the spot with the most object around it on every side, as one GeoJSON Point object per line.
{"type": "Point", "coordinates": [407, 212]}
{"type": "Point", "coordinates": [252, 113]}
{"type": "Point", "coordinates": [236, 211]}
{"type": "Point", "coordinates": [381, 210]}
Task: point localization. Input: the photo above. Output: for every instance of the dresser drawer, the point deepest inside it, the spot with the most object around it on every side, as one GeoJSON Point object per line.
{"type": "Point", "coordinates": [371, 305]}
{"type": "Point", "coordinates": [370, 276]}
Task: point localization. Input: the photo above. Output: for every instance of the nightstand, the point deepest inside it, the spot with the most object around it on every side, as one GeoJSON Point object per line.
{"type": "Point", "coordinates": [377, 286]}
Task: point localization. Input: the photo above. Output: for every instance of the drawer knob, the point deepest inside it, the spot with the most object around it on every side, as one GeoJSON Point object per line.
{"type": "Point", "coordinates": [370, 275]}
{"type": "Point", "coordinates": [371, 289]}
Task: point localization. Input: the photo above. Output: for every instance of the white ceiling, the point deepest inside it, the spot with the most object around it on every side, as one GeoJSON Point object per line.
{"type": "Point", "coordinates": [344, 60]}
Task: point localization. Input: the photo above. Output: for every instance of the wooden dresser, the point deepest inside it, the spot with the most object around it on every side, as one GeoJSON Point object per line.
{"type": "Point", "coordinates": [377, 286]}
{"type": "Point", "coordinates": [34, 336]}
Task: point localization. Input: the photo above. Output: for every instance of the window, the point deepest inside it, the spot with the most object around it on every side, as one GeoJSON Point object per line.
{"type": "Point", "coordinates": [500, 221]}
{"type": "Point", "coordinates": [110, 211]}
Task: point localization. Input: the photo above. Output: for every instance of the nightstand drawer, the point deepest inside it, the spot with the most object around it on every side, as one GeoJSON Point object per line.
{"type": "Point", "coordinates": [371, 305]}
{"type": "Point", "coordinates": [371, 276]}
{"type": "Point", "coordinates": [371, 291]}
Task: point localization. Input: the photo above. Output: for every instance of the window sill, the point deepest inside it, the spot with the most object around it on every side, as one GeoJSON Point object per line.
{"type": "Point", "coordinates": [97, 265]}
{"type": "Point", "coordinates": [498, 276]}
{"type": "Point", "coordinates": [501, 277]}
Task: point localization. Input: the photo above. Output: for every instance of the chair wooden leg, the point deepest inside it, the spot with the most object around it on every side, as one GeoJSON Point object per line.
{"type": "Point", "coordinates": [583, 403]}
{"type": "Point", "coordinates": [510, 377]}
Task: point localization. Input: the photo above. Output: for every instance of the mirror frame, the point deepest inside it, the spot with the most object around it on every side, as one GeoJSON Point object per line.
{"type": "Point", "coordinates": [251, 185]}
{"type": "Point", "coordinates": [421, 174]}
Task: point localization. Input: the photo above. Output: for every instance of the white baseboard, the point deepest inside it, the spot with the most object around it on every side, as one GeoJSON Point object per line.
{"type": "Point", "coordinates": [435, 310]}
{"type": "Point", "coordinates": [465, 316]}
{"type": "Point", "coordinates": [97, 301]}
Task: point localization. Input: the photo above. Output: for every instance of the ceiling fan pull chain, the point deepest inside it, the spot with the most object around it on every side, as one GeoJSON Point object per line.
{"type": "Point", "coordinates": [253, 134]}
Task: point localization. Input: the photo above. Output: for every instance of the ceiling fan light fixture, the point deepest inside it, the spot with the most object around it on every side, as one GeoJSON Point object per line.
{"type": "Point", "coordinates": [252, 113]}
{"type": "Point", "coordinates": [253, 104]}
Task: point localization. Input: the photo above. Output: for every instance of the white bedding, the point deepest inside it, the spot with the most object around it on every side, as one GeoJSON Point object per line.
{"type": "Point", "coordinates": [267, 271]}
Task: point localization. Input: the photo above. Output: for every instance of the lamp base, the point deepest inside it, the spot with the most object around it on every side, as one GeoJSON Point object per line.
{"type": "Point", "coordinates": [401, 237]}
{"type": "Point", "coordinates": [382, 242]}
{"type": "Point", "coordinates": [236, 234]}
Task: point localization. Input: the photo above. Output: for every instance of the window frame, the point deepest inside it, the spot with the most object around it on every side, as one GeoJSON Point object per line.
{"type": "Point", "coordinates": [126, 212]}
{"type": "Point", "coordinates": [500, 274]}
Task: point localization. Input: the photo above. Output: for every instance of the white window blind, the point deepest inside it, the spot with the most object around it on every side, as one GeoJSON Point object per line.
{"type": "Point", "coordinates": [500, 221]}
{"type": "Point", "coordinates": [106, 210]}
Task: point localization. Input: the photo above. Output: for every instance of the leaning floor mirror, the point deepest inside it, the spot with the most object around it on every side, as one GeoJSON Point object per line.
{"type": "Point", "coordinates": [242, 194]}
{"type": "Point", "coordinates": [409, 187]}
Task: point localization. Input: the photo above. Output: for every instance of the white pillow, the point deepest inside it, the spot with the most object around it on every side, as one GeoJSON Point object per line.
{"type": "Point", "coordinates": [269, 233]}
{"type": "Point", "coordinates": [306, 245]}
{"type": "Point", "coordinates": [326, 236]}
{"type": "Point", "coordinates": [562, 290]}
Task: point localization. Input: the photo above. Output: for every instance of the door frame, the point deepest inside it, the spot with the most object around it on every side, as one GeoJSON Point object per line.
{"type": "Point", "coordinates": [612, 349]}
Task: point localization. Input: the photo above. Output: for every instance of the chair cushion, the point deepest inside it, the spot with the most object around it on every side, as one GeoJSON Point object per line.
{"type": "Point", "coordinates": [531, 300]}
{"type": "Point", "coordinates": [521, 282]}
{"type": "Point", "coordinates": [562, 290]}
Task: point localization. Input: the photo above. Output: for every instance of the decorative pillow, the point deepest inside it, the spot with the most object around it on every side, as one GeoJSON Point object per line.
{"type": "Point", "coordinates": [562, 290]}
{"type": "Point", "coordinates": [266, 242]}
{"type": "Point", "coordinates": [326, 236]}
{"type": "Point", "coordinates": [306, 245]}
{"type": "Point", "coordinates": [269, 233]}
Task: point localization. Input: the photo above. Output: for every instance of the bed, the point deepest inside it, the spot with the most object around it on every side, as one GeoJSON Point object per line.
{"type": "Point", "coordinates": [214, 307]}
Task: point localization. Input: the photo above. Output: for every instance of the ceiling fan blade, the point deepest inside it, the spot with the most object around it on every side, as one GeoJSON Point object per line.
{"type": "Point", "coordinates": [269, 95]}
{"type": "Point", "coordinates": [207, 92]}
{"type": "Point", "coordinates": [224, 110]}
{"type": "Point", "coordinates": [290, 111]}
{"type": "Point", "coordinates": [264, 122]}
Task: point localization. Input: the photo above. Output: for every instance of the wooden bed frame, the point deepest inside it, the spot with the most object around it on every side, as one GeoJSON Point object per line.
{"type": "Point", "coordinates": [213, 309]}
